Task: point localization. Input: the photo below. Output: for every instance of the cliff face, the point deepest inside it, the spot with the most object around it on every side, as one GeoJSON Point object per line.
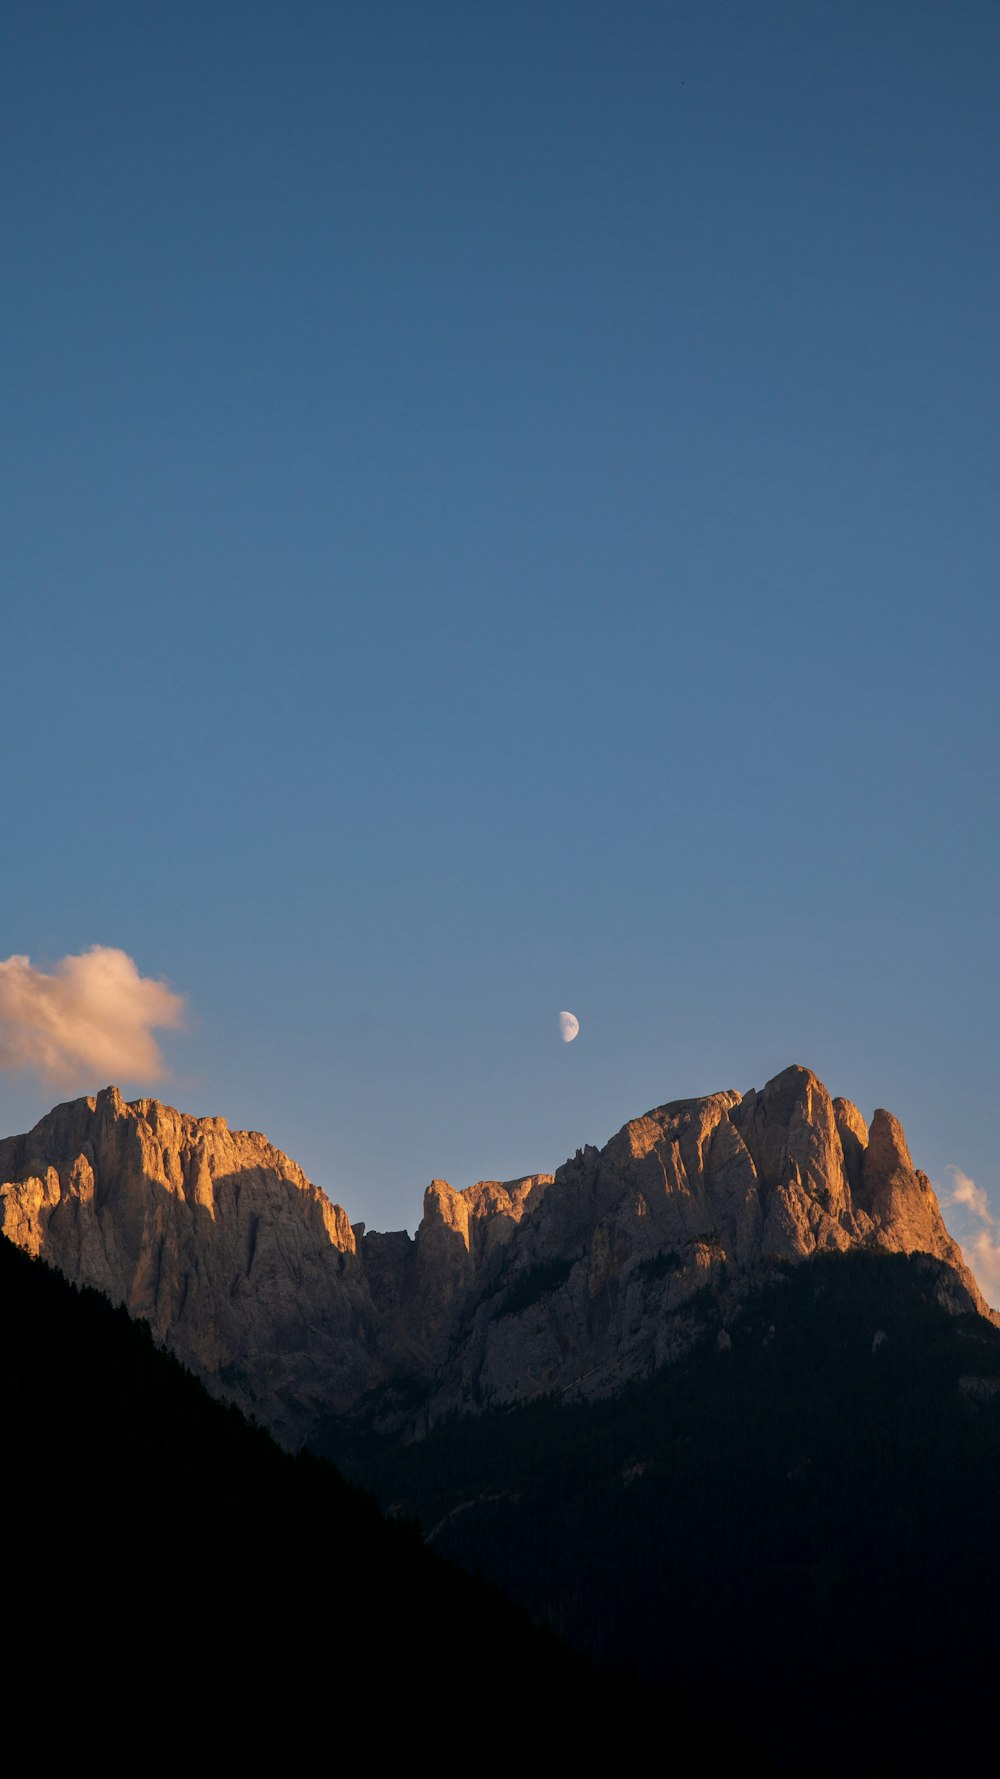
{"type": "Point", "coordinates": [596, 1288]}
{"type": "Point", "coordinates": [242, 1267]}
{"type": "Point", "coordinates": [576, 1283]}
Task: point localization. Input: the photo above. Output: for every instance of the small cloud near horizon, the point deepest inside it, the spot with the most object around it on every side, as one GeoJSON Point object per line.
{"type": "Point", "coordinates": [91, 1018]}
{"type": "Point", "coordinates": [981, 1247]}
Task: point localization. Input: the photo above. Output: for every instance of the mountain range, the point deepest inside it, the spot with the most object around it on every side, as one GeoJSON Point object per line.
{"type": "Point", "coordinates": [718, 1404]}
{"type": "Point", "coordinates": [576, 1284]}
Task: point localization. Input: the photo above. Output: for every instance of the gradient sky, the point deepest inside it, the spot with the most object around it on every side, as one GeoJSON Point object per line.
{"type": "Point", "coordinates": [501, 517]}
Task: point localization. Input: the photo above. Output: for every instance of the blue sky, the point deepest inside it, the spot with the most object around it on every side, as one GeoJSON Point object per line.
{"type": "Point", "coordinates": [502, 517]}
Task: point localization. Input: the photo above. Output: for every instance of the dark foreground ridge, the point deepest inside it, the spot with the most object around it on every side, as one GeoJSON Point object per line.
{"type": "Point", "coordinates": [796, 1522]}
{"type": "Point", "coordinates": [174, 1577]}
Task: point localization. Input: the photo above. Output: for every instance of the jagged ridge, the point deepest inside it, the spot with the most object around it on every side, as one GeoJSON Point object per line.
{"type": "Point", "coordinates": [576, 1282]}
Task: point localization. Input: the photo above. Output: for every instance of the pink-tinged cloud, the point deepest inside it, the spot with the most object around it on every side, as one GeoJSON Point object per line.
{"type": "Point", "coordinates": [982, 1254]}
{"type": "Point", "coordinates": [88, 1022]}
{"type": "Point", "coordinates": [981, 1247]}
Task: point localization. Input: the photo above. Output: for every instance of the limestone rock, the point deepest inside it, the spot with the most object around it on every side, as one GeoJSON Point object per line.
{"type": "Point", "coordinates": [853, 1133]}
{"type": "Point", "coordinates": [240, 1265]}
{"type": "Point", "coordinates": [594, 1287]}
{"type": "Point", "coordinates": [902, 1202]}
{"type": "Point", "coordinates": [576, 1282]}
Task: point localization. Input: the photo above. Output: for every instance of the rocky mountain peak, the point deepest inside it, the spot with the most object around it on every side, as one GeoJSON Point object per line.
{"type": "Point", "coordinates": [574, 1282]}
{"type": "Point", "coordinates": [213, 1236]}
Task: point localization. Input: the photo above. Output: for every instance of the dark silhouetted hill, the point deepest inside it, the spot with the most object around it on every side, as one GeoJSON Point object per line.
{"type": "Point", "coordinates": [797, 1521]}
{"type": "Point", "coordinates": [178, 1587]}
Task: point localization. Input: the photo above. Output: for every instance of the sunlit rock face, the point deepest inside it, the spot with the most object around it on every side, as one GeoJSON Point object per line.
{"type": "Point", "coordinates": [575, 1283]}
{"type": "Point", "coordinates": [241, 1267]}
{"type": "Point", "coordinates": [596, 1288]}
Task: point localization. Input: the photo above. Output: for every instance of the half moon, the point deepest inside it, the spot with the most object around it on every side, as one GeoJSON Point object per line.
{"type": "Point", "coordinates": [569, 1025]}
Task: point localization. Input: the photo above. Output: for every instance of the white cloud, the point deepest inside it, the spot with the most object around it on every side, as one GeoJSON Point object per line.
{"type": "Point", "coordinates": [983, 1256]}
{"type": "Point", "coordinates": [88, 1022]}
{"type": "Point", "coordinates": [980, 1246]}
{"type": "Point", "coordinates": [965, 1192]}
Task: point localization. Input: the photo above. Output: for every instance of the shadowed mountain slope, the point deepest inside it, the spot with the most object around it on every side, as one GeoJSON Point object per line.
{"type": "Point", "coordinates": [171, 1571]}
{"type": "Point", "coordinates": [578, 1283]}
{"type": "Point", "coordinates": [795, 1521]}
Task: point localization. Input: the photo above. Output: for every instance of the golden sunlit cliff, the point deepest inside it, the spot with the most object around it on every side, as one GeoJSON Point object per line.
{"type": "Point", "coordinates": [576, 1283]}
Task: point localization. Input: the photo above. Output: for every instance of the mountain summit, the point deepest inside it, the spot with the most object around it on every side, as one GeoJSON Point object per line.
{"type": "Point", "coordinates": [577, 1283]}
